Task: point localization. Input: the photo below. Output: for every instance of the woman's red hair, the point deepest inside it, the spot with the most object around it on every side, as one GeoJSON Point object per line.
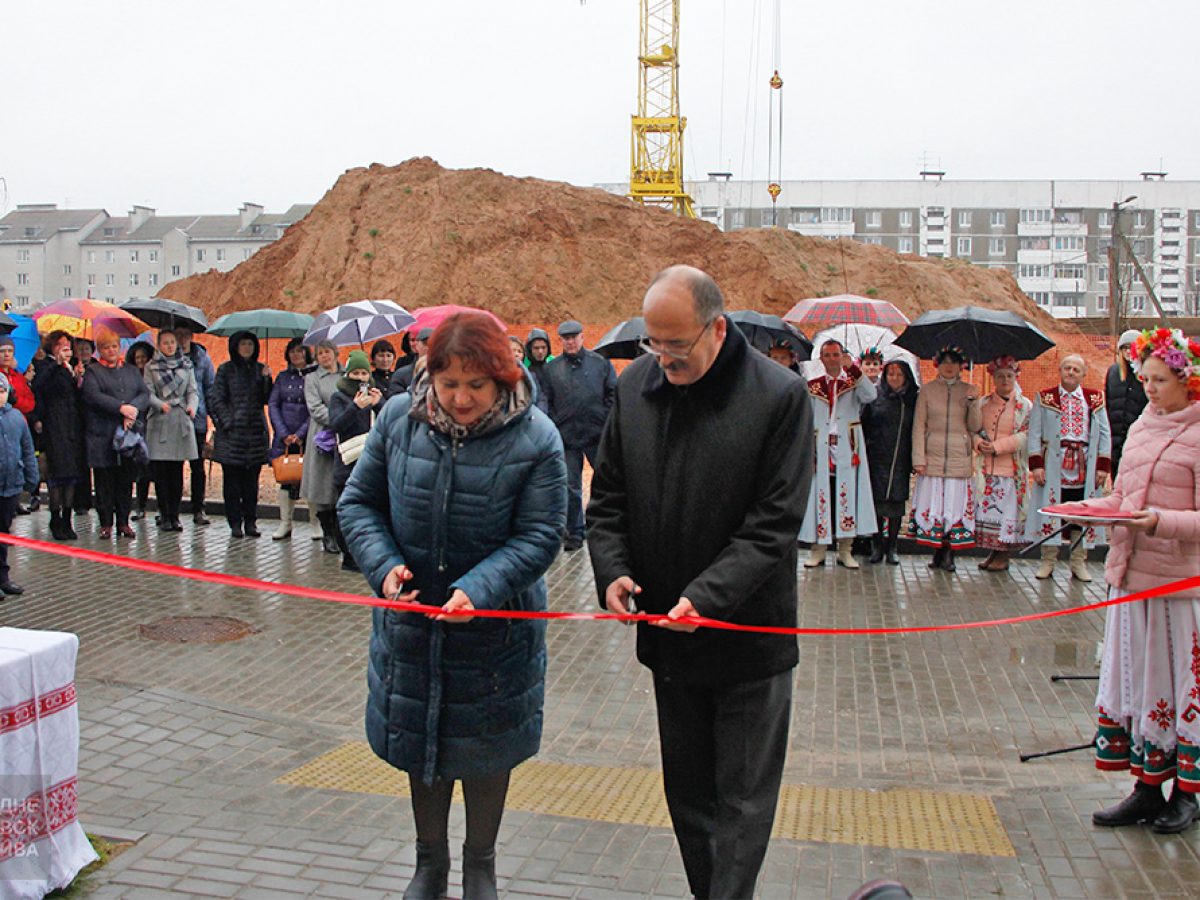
{"type": "Point", "coordinates": [479, 343]}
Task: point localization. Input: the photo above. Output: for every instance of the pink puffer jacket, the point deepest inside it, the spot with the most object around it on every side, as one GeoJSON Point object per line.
{"type": "Point", "coordinates": [1160, 468]}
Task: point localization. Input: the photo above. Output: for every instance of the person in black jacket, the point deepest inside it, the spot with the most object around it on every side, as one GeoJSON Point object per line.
{"type": "Point", "coordinates": [887, 428]}
{"type": "Point", "coordinates": [383, 358]}
{"type": "Point", "coordinates": [537, 354]}
{"type": "Point", "coordinates": [114, 396]}
{"type": "Point", "coordinates": [404, 375]}
{"type": "Point", "coordinates": [1124, 397]}
{"type": "Point", "coordinates": [579, 387]}
{"type": "Point", "coordinates": [701, 415]}
{"type": "Point", "coordinates": [352, 408]}
{"type": "Point", "coordinates": [59, 411]}
{"type": "Point", "coordinates": [240, 391]}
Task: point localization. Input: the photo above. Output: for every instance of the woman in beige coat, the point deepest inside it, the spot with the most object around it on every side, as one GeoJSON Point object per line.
{"type": "Point", "coordinates": [944, 426]}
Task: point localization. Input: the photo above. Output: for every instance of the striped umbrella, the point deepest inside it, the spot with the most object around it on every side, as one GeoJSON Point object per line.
{"type": "Point", "coordinates": [817, 313]}
{"type": "Point", "coordinates": [84, 317]}
{"type": "Point", "coordinates": [359, 322]}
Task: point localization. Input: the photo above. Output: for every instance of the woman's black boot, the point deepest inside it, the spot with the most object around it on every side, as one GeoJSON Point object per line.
{"type": "Point", "coordinates": [876, 549]}
{"type": "Point", "coordinates": [948, 559]}
{"type": "Point", "coordinates": [893, 538]}
{"type": "Point", "coordinates": [938, 555]}
{"type": "Point", "coordinates": [479, 874]}
{"type": "Point", "coordinates": [1180, 812]}
{"type": "Point", "coordinates": [432, 876]}
{"type": "Point", "coordinates": [329, 531]}
{"type": "Point", "coordinates": [1143, 805]}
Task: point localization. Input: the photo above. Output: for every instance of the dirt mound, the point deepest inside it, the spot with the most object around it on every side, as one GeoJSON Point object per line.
{"type": "Point", "coordinates": [536, 251]}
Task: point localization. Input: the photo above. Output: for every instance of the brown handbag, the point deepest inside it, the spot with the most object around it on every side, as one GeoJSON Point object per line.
{"type": "Point", "coordinates": [289, 468]}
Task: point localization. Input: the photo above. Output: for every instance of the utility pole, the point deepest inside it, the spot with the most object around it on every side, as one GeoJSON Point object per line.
{"type": "Point", "coordinates": [1115, 317]}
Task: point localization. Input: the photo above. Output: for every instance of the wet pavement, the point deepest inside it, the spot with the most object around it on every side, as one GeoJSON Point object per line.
{"type": "Point", "coordinates": [237, 766]}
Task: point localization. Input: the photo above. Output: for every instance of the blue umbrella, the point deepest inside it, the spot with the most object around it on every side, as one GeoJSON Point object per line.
{"type": "Point", "coordinates": [359, 322]}
{"type": "Point", "coordinates": [26, 340]}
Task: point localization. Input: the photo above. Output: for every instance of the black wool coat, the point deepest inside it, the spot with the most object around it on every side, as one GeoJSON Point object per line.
{"type": "Point", "coordinates": [887, 428]}
{"type": "Point", "coordinates": [579, 393]}
{"type": "Point", "coordinates": [1124, 401]}
{"type": "Point", "coordinates": [105, 390]}
{"type": "Point", "coordinates": [699, 492]}
{"type": "Point", "coordinates": [60, 410]}
{"type": "Point", "coordinates": [240, 391]}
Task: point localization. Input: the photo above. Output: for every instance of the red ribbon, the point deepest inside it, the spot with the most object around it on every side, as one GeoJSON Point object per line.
{"type": "Point", "coordinates": [293, 590]}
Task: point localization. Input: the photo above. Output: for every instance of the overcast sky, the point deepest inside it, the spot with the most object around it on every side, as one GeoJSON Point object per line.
{"type": "Point", "coordinates": [197, 107]}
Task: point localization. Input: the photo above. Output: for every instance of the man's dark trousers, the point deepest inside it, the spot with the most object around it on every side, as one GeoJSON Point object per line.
{"type": "Point", "coordinates": [8, 509]}
{"type": "Point", "coordinates": [723, 749]}
{"type": "Point", "coordinates": [574, 456]}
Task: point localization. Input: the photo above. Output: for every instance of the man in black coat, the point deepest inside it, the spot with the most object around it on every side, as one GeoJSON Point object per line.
{"type": "Point", "coordinates": [579, 387]}
{"type": "Point", "coordinates": [699, 491]}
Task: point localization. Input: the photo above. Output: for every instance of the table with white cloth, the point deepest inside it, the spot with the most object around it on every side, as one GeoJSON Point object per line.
{"type": "Point", "coordinates": [42, 845]}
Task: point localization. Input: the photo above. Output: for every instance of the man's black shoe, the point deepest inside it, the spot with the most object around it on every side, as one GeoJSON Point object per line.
{"type": "Point", "coordinates": [200, 519]}
{"type": "Point", "coordinates": [1181, 811]}
{"type": "Point", "coordinates": [8, 587]}
{"type": "Point", "coordinates": [572, 544]}
{"type": "Point", "coordinates": [1143, 805]}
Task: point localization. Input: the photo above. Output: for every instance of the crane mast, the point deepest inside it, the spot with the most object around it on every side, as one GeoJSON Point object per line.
{"type": "Point", "coordinates": [656, 169]}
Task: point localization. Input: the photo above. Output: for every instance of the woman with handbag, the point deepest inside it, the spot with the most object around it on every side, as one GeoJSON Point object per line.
{"type": "Point", "coordinates": [60, 411]}
{"type": "Point", "coordinates": [458, 501]}
{"type": "Point", "coordinates": [352, 409]}
{"type": "Point", "coordinates": [321, 445]}
{"type": "Point", "coordinates": [170, 429]}
{"type": "Point", "coordinates": [289, 425]}
{"type": "Point", "coordinates": [114, 397]}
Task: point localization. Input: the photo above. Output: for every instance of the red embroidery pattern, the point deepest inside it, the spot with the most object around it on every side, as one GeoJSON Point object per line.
{"type": "Point", "coordinates": [14, 717]}
{"type": "Point", "coordinates": [1162, 715]}
{"type": "Point", "coordinates": [37, 816]}
{"type": "Point", "coordinates": [1194, 693]}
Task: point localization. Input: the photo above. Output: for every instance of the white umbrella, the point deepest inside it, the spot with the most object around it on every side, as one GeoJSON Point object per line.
{"type": "Point", "coordinates": [858, 338]}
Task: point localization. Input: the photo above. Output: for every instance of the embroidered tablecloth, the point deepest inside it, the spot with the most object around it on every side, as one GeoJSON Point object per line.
{"type": "Point", "coordinates": [42, 846]}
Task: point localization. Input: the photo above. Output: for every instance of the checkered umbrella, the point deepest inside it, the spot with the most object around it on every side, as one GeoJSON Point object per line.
{"type": "Point", "coordinates": [817, 313]}
{"type": "Point", "coordinates": [359, 322]}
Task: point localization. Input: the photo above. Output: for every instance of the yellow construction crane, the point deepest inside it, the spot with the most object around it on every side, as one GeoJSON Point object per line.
{"type": "Point", "coordinates": [656, 168]}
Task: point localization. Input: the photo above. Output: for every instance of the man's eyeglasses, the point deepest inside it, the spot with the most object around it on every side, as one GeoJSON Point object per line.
{"type": "Point", "coordinates": [647, 345]}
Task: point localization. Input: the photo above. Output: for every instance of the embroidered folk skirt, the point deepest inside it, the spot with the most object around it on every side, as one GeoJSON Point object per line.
{"type": "Point", "coordinates": [1149, 695]}
{"type": "Point", "coordinates": [998, 521]}
{"type": "Point", "coordinates": [944, 510]}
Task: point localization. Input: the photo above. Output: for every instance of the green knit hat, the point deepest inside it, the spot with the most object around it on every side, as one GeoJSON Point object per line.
{"type": "Point", "coordinates": [357, 360]}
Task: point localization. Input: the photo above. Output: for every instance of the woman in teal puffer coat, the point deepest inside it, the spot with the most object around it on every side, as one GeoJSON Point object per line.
{"type": "Point", "coordinates": [458, 501]}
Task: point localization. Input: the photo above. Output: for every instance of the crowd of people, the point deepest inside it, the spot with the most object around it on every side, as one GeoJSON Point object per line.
{"type": "Point", "coordinates": [450, 474]}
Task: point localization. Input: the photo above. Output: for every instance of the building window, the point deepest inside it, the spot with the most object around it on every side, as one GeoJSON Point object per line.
{"type": "Point", "coordinates": [22, 278]}
{"type": "Point", "coordinates": [1104, 220]}
{"type": "Point", "coordinates": [1196, 219]}
{"type": "Point", "coordinates": [247, 253]}
{"type": "Point", "coordinates": [91, 256]}
{"type": "Point", "coordinates": [906, 244]}
{"type": "Point", "coordinates": [997, 247]}
{"type": "Point", "coordinates": [1033, 271]}
{"type": "Point", "coordinates": [765, 216]}
{"type": "Point", "coordinates": [874, 239]}
{"type": "Point", "coordinates": [836, 214]}
{"type": "Point", "coordinates": [964, 218]}
{"type": "Point", "coordinates": [998, 218]}
{"type": "Point", "coordinates": [737, 219]}
{"type": "Point", "coordinates": [199, 256]}
{"type": "Point", "coordinates": [67, 292]}
{"type": "Point", "coordinates": [175, 271]}
{"type": "Point", "coordinates": [66, 268]}
{"type": "Point", "coordinates": [133, 256]}
{"type": "Point", "coordinates": [906, 219]}
{"type": "Point", "coordinates": [153, 276]}
{"type": "Point", "coordinates": [1102, 302]}
{"type": "Point", "coordinates": [110, 256]}
{"type": "Point", "coordinates": [110, 279]}
{"type": "Point", "coordinates": [1041, 298]}
{"type": "Point", "coordinates": [1068, 243]}
{"type": "Point", "coordinates": [91, 279]}
{"type": "Point", "coordinates": [22, 299]}
{"type": "Point", "coordinates": [221, 250]}
{"type": "Point", "coordinates": [1140, 219]}
{"type": "Point", "coordinates": [874, 218]}
{"type": "Point", "coordinates": [1102, 274]}
{"type": "Point", "coordinates": [153, 254]}
{"type": "Point", "coordinates": [133, 280]}
{"type": "Point", "coordinates": [1071, 270]}
{"type": "Point", "coordinates": [964, 247]}
{"type": "Point", "coordinates": [110, 232]}
{"type": "Point", "coordinates": [1137, 303]}
{"type": "Point", "coordinates": [1033, 216]}
{"type": "Point", "coordinates": [22, 256]}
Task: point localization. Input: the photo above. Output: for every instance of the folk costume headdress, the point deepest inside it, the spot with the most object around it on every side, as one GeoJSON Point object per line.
{"type": "Point", "coordinates": [1180, 353]}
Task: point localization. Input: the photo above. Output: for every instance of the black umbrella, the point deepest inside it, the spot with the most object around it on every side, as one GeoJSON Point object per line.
{"type": "Point", "coordinates": [161, 313]}
{"type": "Point", "coordinates": [7, 323]}
{"type": "Point", "coordinates": [981, 334]}
{"type": "Point", "coordinates": [764, 330]}
{"type": "Point", "coordinates": [622, 342]}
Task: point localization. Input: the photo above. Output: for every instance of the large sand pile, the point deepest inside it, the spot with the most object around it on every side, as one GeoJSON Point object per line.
{"type": "Point", "coordinates": [540, 251]}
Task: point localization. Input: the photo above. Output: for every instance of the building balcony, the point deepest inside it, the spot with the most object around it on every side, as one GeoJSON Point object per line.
{"type": "Point", "coordinates": [823, 229]}
{"type": "Point", "coordinates": [1048, 229]}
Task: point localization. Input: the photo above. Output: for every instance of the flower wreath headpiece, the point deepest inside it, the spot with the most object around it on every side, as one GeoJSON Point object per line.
{"type": "Point", "coordinates": [872, 354]}
{"type": "Point", "coordinates": [1180, 353]}
{"type": "Point", "coordinates": [1004, 362]}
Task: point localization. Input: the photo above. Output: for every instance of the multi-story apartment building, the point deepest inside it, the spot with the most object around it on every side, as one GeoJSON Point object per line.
{"type": "Point", "coordinates": [1053, 236]}
{"type": "Point", "coordinates": [47, 253]}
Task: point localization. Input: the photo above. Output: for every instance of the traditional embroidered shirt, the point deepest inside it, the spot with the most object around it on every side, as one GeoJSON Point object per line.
{"type": "Point", "coordinates": [1073, 433]}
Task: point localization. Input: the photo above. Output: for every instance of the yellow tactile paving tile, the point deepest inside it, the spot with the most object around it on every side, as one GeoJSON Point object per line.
{"type": "Point", "coordinates": [901, 818]}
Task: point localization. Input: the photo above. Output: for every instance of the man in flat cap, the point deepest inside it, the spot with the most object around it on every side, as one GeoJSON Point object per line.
{"type": "Point", "coordinates": [579, 387]}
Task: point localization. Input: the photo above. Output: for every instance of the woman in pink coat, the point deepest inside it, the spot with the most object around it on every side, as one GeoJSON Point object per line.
{"type": "Point", "coordinates": [1149, 695]}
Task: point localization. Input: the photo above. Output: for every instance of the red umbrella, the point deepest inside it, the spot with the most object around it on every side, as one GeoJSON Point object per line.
{"type": "Point", "coordinates": [818, 313]}
{"type": "Point", "coordinates": [433, 316]}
